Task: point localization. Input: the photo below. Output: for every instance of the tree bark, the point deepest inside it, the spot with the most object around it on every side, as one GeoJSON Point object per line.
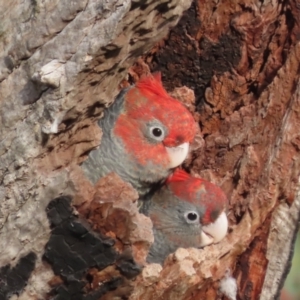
{"type": "Point", "coordinates": [242, 60]}
{"type": "Point", "coordinates": [61, 65]}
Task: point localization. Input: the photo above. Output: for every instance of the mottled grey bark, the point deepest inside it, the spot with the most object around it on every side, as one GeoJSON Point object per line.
{"type": "Point", "coordinates": [60, 63]}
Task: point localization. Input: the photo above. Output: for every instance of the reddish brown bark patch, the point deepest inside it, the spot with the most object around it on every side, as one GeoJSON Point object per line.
{"type": "Point", "coordinates": [187, 57]}
{"type": "Point", "coordinates": [114, 212]}
{"type": "Point", "coordinates": [252, 265]}
{"type": "Point", "coordinates": [242, 60]}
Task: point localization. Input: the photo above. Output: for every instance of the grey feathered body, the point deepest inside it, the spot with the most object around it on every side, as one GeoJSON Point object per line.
{"type": "Point", "coordinates": [111, 156]}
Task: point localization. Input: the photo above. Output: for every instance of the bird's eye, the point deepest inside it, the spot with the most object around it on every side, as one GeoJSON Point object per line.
{"type": "Point", "coordinates": [157, 133]}
{"type": "Point", "coordinates": [192, 217]}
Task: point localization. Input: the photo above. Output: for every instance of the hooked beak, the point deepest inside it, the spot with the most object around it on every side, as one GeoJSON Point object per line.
{"type": "Point", "coordinates": [177, 154]}
{"type": "Point", "coordinates": [214, 232]}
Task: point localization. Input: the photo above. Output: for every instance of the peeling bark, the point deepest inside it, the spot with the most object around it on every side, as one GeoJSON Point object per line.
{"type": "Point", "coordinates": [61, 64]}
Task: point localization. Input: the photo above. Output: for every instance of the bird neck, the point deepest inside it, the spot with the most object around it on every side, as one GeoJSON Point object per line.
{"type": "Point", "coordinates": [161, 248]}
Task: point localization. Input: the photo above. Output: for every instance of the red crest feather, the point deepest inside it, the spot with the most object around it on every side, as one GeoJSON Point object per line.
{"type": "Point", "coordinates": [178, 175]}
{"type": "Point", "coordinates": [152, 84]}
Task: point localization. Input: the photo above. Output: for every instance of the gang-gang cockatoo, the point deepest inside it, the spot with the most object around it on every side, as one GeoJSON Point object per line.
{"type": "Point", "coordinates": [146, 134]}
{"type": "Point", "coordinates": [185, 212]}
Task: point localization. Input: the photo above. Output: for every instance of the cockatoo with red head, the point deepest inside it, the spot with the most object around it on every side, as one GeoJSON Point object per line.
{"type": "Point", "coordinates": [185, 212]}
{"type": "Point", "coordinates": [146, 134]}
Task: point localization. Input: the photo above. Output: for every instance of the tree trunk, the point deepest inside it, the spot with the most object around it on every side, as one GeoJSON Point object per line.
{"type": "Point", "coordinates": [242, 60]}
{"type": "Point", "coordinates": [61, 65]}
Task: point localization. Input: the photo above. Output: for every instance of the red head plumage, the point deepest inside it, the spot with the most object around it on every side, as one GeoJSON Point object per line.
{"type": "Point", "coordinates": [199, 192]}
{"type": "Point", "coordinates": [148, 103]}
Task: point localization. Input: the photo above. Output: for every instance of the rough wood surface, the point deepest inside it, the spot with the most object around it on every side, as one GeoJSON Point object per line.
{"type": "Point", "coordinates": [61, 63]}
{"type": "Point", "coordinates": [243, 63]}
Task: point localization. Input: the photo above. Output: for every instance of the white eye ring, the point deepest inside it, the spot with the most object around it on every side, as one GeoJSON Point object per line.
{"type": "Point", "coordinates": [192, 217]}
{"type": "Point", "coordinates": [157, 132]}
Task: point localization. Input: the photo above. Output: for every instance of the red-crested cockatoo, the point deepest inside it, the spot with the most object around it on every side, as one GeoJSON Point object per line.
{"type": "Point", "coordinates": [185, 212]}
{"type": "Point", "coordinates": [146, 134]}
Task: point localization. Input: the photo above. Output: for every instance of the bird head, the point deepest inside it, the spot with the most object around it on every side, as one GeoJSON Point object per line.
{"type": "Point", "coordinates": [207, 196]}
{"type": "Point", "coordinates": [154, 127]}
{"type": "Point", "coordinates": [186, 212]}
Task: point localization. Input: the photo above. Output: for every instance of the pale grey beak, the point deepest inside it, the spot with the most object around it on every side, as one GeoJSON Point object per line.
{"type": "Point", "coordinates": [177, 155]}
{"type": "Point", "coordinates": [214, 232]}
